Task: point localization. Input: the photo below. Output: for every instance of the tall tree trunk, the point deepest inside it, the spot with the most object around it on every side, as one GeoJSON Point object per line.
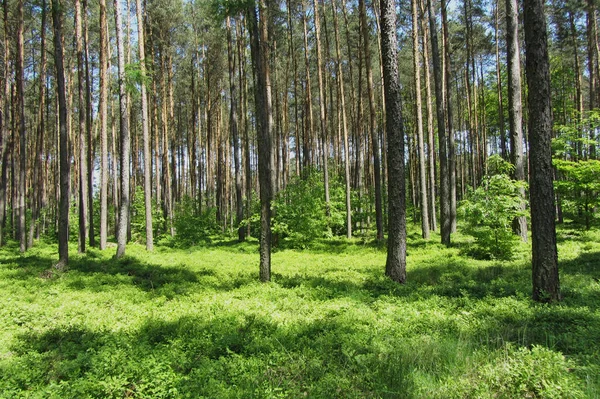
{"type": "Point", "coordinates": [515, 108]}
{"type": "Point", "coordinates": [446, 227]}
{"type": "Point", "coordinates": [83, 171]}
{"type": "Point", "coordinates": [63, 210]}
{"type": "Point", "coordinates": [145, 131]}
{"type": "Point", "coordinates": [37, 194]}
{"type": "Point", "coordinates": [449, 118]}
{"type": "Point", "coordinates": [235, 136]}
{"type": "Point", "coordinates": [419, 120]}
{"type": "Point", "coordinates": [322, 105]}
{"type": "Point", "coordinates": [308, 113]}
{"type": "Point", "coordinates": [125, 140]}
{"type": "Point", "coordinates": [593, 65]}
{"type": "Point", "coordinates": [429, 107]}
{"type": "Point", "coordinates": [22, 187]}
{"type": "Point", "coordinates": [6, 142]}
{"type": "Point", "coordinates": [372, 119]}
{"type": "Point", "coordinates": [244, 112]}
{"type": "Point", "coordinates": [546, 287]}
{"type": "Point", "coordinates": [340, 81]}
{"type": "Point", "coordinates": [395, 267]}
{"type": "Point", "coordinates": [501, 132]}
{"type": "Point", "coordinates": [103, 104]}
{"type": "Point", "coordinates": [88, 127]}
{"type": "Point", "coordinates": [260, 58]}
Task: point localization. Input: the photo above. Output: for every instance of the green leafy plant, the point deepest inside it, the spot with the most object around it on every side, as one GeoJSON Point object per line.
{"type": "Point", "coordinates": [579, 187]}
{"type": "Point", "coordinates": [490, 209]}
{"type": "Point", "coordinates": [193, 227]}
{"type": "Point", "coordinates": [300, 211]}
{"type": "Point", "coordinates": [138, 216]}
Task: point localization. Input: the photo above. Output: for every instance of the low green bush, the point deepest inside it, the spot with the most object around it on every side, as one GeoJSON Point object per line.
{"type": "Point", "coordinates": [489, 212]}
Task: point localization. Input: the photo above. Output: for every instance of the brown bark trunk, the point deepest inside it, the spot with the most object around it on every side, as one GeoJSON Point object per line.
{"type": "Point", "coordinates": [260, 58]}
{"type": "Point", "coordinates": [63, 222]}
{"type": "Point", "coordinates": [373, 120]}
{"type": "Point", "coordinates": [419, 120]}
{"type": "Point", "coordinates": [103, 104]}
{"type": "Point", "coordinates": [19, 78]}
{"type": "Point", "coordinates": [441, 118]}
{"type": "Point", "coordinates": [125, 139]}
{"type": "Point", "coordinates": [546, 287]}
{"type": "Point", "coordinates": [82, 109]}
{"type": "Point", "coordinates": [515, 109]}
{"type": "Point", "coordinates": [145, 131]}
{"type": "Point", "coordinates": [395, 267]}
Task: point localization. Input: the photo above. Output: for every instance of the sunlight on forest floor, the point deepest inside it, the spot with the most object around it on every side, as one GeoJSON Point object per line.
{"type": "Point", "coordinates": [197, 323]}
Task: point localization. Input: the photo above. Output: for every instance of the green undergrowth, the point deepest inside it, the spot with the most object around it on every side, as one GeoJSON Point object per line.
{"type": "Point", "coordinates": [196, 323]}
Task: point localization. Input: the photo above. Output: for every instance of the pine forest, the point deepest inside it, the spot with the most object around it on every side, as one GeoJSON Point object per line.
{"type": "Point", "coordinates": [300, 198]}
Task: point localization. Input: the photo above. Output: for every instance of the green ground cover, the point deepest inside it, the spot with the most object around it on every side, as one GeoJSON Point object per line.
{"type": "Point", "coordinates": [195, 323]}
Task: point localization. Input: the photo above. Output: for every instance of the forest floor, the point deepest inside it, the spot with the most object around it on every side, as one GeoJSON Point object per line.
{"type": "Point", "coordinates": [196, 322]}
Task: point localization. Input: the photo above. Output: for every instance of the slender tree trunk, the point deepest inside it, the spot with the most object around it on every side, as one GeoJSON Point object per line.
{"type": "Point", "coordinates": [429, 106]}
{"type": "Point", "coordinates": [22, 187]}
{"type": "Point", "coordinates": [125, 140]}
{"type": "Point", "coordinates": [103, 105]}
{"type": "Point", "coordinates": [395, 267]}
{"type": "Point", "coordinates": [145, 131]}
{"type": "Point", "coordinates": [449, 118]}
{"type": "Point", "coordinates": [5, 137]}
{"type": "Point", "coordinates": [340, 81]}
{"type": "Point", "coordinates": [88, 128]}
{"type": "Point", "coordinates": [308, 113]}
{"type": "Point", "coordinates": [515, 109]}
{"type": "Point", "coordinates": [322, 106]}
{"type": "Point", "coordinates": [37, 194]}
{"type": "Point", "coordinates": [235, 137]}
{"type": "Point", "coordinates": [546, 287]}
{"type": "Point", "coordinates": [441, 118]}
{"type": "Point", "coordinates": [244, 113]}
{"type": "Point", "coordinates": [419, 120]}
{"type": "Point", "coordinates": [260, 58]}
{"type": "Point", "coordinates": [501, 132]}
{"type": "Point", "coordinates": [83, 171]}
{"type": "Point", "coordinates": [63, 214]}
{"type": "Point", "coordinates": [592, 66]}
{"type": "Point", "coordinates": [373, 120]}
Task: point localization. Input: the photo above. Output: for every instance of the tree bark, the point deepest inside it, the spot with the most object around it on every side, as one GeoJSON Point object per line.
{"type": "Point", "coordinates": [322, 105]}
{"type": "Point", "coordinates": [372, 119]}
{"type": "Point", "coordinates": [501, 132]}
{"type": "Point", "coordinates": [340, 81]}
{"type": "Point", "coordinates": [441, 118]}
{"type": "Point", "coordinates": [419, 119]}
{"type": "Point", "coordinates": [260, 59]}
{"type": "Point", "coordinates": [395, 267]}
{"type": "Point", "coordinates": [429, 107]}
{"type": "Point", "coordinates": [88, 127]}
{"type": "Point", "coordinates": [19, 77]}
{"type": "Point", "coordinates": [235, 136]}
{"type": "Point", "coordinates": [37, 194]}
{"type": "Point", "coordinates": [5, 139]}
{"type": "Point", "coordinates": [63, 211]}
{"type": "Point", "coordinates": [125, 139]}
{"type": "Point", "coordinates": [145, 131]}
{"type": "Point", "coordinates": [103, 105]}
{"type": "Point", "coordinates": [544, 252]}
{"type": "Point", "coordinates": [308, 113]}
{"type": "Point", "coordinates": [449, 118]}
{"type": "Point", "coordinates": [82, 109]}
{"type": "Point", "coordinates": [515, 108]}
